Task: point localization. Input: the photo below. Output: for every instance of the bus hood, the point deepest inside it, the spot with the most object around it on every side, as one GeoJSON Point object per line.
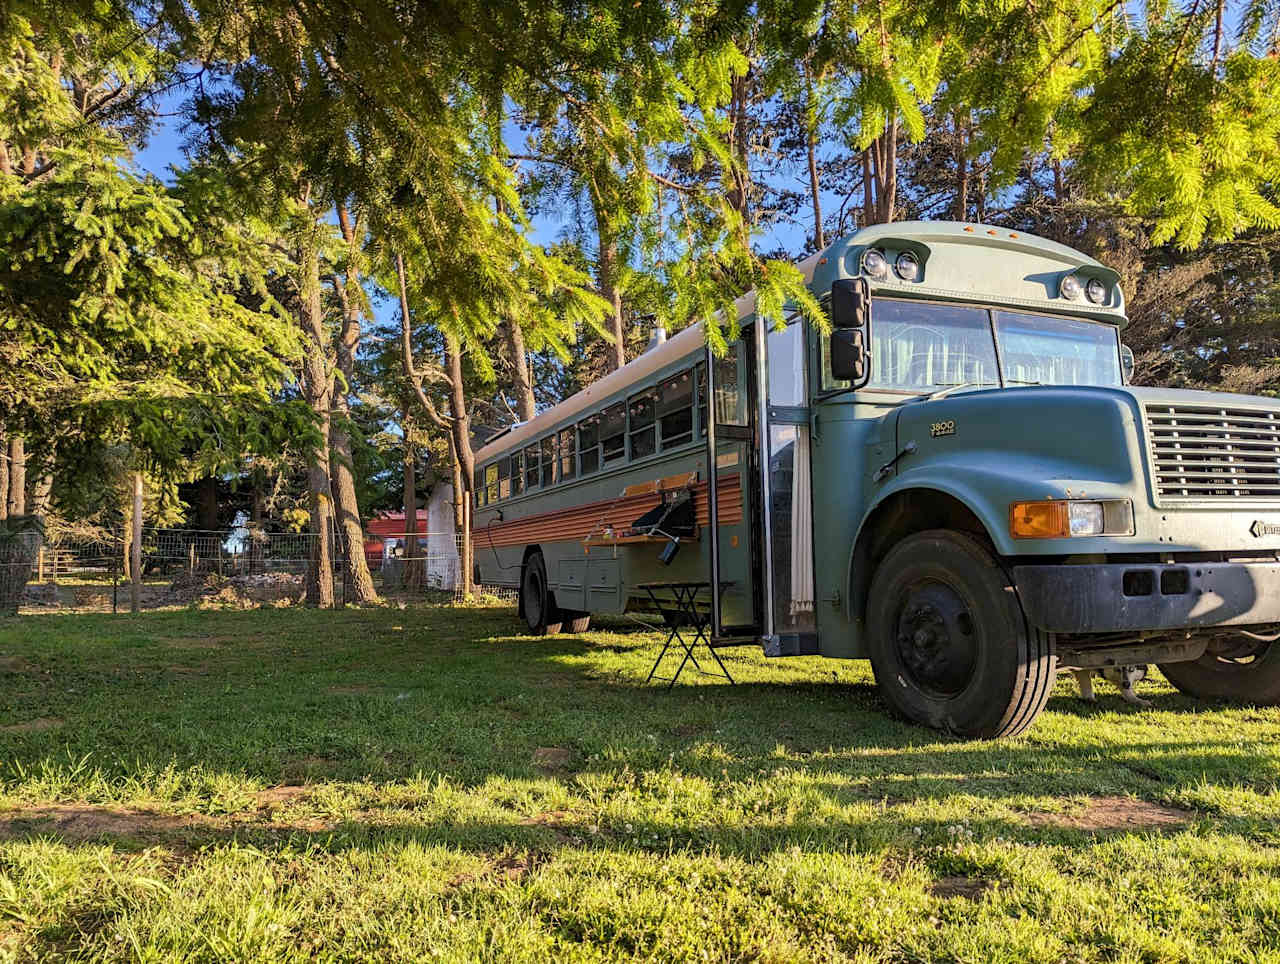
{"type": "Point", "coordinates": [1201, 468]}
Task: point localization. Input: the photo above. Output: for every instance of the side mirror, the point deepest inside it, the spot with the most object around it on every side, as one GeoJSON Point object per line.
{"type": "Point", "coordinates": [1127, 363]}
{"type": "Point", "coordinates": [850, 303]}
{"type": "Point", "coordinates": [849, 355]}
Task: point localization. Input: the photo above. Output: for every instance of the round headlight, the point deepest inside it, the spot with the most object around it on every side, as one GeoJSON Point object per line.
{"type": "Point", "coordinates": [874, 264]}
{"type": "Point", "coordinates": [1096, 291]}
{"type": "Point", "coordinates": [1071, 287]}
{"type": "Point", "coordinates": [907, 266]}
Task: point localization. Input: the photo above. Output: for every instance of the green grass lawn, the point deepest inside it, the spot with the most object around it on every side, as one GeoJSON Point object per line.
{"type": "Point", "coordinates": [430, 783]}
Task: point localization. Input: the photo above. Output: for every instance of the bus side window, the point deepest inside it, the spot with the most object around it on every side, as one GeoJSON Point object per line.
{"type": "Point", "coordinates": [548, 460]}
{"type": "Point", "coordinates": [700, 376]}
{"type": "Point", "coordinates": [589, 444]}
{"type": "Point", "coordinates": [731, 395]}
{"type": "Point", "coordinates": [517, 473]}
{"type": "Point", "coordinates": [491, 483]}
{"type": "Point", "coordinates": [675, 410]}
{"type": "Point", "coordinates": [568, 459]}
{"type": "Point", "coordinates": [613, 433]}
{"type": "Point", "coordinates": [643, 428]}
{"type": "Point", "coordinates": [531, 473]}
{"type": "Point", "coordinates": [504, 478]}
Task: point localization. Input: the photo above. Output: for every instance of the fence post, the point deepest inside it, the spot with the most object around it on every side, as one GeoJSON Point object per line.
{"type": "Point", "coordinates": [40, 564]}
{"type": "Point", "coordinates": [191, 560]}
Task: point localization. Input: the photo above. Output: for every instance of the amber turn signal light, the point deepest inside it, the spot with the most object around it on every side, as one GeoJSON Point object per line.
{"type": "Point", "coordinates": [1038, 520]}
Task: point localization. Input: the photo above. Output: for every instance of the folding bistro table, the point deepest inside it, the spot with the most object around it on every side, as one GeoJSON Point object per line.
{"type": "Point", "coordinates": [683, 611]}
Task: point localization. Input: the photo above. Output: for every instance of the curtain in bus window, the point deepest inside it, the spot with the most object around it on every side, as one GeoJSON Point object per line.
{"type": "Point", "coordinates": [1044, 350]}
{"type": "Point", "coordinates": [918, 346]}
{"type": "Point", "coordinates": [801, 527]}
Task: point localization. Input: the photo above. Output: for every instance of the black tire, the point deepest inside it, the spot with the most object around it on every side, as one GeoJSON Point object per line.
{"type": "Point", "coordinates": [950, 645]}
{"type": "Point", "coordinates": [537, 602]}
{"type": "Point", "coordinates": [576, 622]}
{"type": "Point", "coordinates": [1236, 669]}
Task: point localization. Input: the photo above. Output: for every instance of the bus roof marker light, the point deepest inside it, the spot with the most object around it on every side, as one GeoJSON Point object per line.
{"type": "Point", "coordinates": [907, 266]}
{"type": "Point", "coordinates": [874, 264]}
{"type": "Point", "coordinates": [1070, 287]}
{"type": "Point", "coordinates": [1096, 291]}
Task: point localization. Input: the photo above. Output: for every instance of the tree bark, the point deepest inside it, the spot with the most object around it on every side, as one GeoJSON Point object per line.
{"type": "Point", "coordinates": [17, 476]}
{"type": "Point", "coordinates": [961, 209]}
{"type": "Point", "coordinates": [462, 447]}
{"type": "Point", "coordinates": [207, 506]}
{"type": "Point", "coordinates": [811, 146]}
{"type": "Point", "coordinates": [316, 390]}
{"type": "Point", "coordinates": [411, 570]}
{"type": "Point", "coordinates": [4, 475]}
{"type": "Point", "coordinates": [135, 546]}
{"type": "Point", "coordinates": [358, 580]}
{"type": "Point", "coordinates": [522, 382]}
{"type": "Point", "coordinates": [610, 290]}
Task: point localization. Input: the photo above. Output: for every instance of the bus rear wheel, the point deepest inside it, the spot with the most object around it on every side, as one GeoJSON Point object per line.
{"type": "Point", "coordinates": [950, 645]}
{"type": "Point", "coordinates": [537, 602]}
{"type": "Point", "coordinates": [1235, 668]}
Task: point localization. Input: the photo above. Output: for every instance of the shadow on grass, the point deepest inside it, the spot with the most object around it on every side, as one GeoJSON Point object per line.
{"type": "Point", "coordinates": [390, 695]}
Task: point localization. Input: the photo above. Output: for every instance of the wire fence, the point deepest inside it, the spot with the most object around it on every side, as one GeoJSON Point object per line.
{"type": "Point", "coordinates": [89, 569]}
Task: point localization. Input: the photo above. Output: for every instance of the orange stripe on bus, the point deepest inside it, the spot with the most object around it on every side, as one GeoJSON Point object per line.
{"type": "Point", "coordinates": [578, 522]}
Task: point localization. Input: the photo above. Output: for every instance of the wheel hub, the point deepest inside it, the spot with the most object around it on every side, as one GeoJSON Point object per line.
{"type": "Point", "coordinates": [937, 641]}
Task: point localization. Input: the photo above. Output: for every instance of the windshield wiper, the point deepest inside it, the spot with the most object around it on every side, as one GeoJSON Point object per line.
{"type": "Point", "coordinates": [952, 387]}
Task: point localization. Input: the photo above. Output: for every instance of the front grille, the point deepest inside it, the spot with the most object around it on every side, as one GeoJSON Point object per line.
{"type": "Point", "coordinates": [1206, 452]}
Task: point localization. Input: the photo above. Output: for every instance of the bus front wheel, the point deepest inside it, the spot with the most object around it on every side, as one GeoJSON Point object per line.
{"type": "Point", "coordinates": [537, 602]}
{"type": "Point", "coordinates": [949, 643]}
{"type": "Point", "coordinates": [1237, 669]}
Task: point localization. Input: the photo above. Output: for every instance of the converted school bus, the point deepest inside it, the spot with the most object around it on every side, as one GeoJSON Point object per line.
{"type": "Point", "coordinates": [956, 482]}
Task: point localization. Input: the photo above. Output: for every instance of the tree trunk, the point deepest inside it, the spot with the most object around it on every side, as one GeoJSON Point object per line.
{"type": "Point", "coordinates": [868, 189]}
{"type": "Point", "coordinates": [459, 502]}
{"type": "Point", "coordinates": [811, 145]}
{"type": "Point", "coordinates": [358, 580]}
{"type": "Point", "coordinates": [17, 476]}
{"type": "Point", "coordinates": [135, 546]}
{"type": "Point", "coordinates": [520, 377]}
{"type": "Point", "coordinates": [961, 209]}
{"type": "Point", "coordinates": [207, 504]}
{"type": "Point", "coordinates": [888, 172]}
{"type": "Point", "coordinates": [462, 447]}
{"type": "Point", "coordinates": [608, 282]}
{"type": "Point", "coordinates": [411, 571]}
{"type": "Point", "coordinates": [42, 495]}
{"type": "Point", "coordinates": [257, 511]}
{"type": "Point", "coordinates": [4, 476]}
{"type": "Point", "coordinates": [316, 391]}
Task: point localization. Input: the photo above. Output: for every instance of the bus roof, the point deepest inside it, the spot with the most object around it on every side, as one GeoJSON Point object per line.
{"type": "Point", "coordinates": [639, 369]}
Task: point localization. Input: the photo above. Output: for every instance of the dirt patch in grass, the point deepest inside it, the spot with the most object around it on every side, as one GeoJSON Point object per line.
{"type": "Point", "coordinates": [275, 798]}
{"type": "Point", "coordinates": [178, 669]}
{"type": "Point", "coordinates": [968, 888]}
{"type": "Point", "coordinates": [552, 758]}
{"type": "Point", "coordinates": [357, 689]}
{"type": "Point", "coordinates": [14, 664]}
{"type": "Point", "coordinates": [81, 823]}
{"type": "Point", "coordinates": [38, 725]}
{"type": "Point", "coordinates": [1114, 813]}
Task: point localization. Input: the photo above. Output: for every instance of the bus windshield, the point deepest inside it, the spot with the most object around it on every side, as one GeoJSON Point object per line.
{"type": "Point", "coordinates": [923, 347]}
{"type": "Point", "coordinates": [1044, 350]}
